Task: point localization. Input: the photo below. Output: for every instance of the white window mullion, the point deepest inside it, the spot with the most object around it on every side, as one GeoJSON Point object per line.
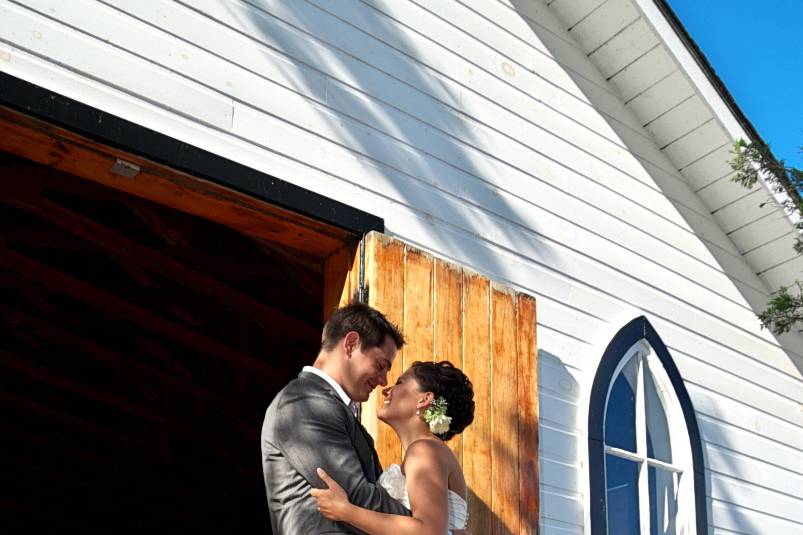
{"type": "Point", "coordinates": [665, 466]}
{"type": "Point", "coordinates": [629, 455]}
{"type": "Point", "coordinates": [641, 446]}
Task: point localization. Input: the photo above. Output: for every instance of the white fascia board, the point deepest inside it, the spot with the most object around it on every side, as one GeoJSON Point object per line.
{"type": "Point", "coordinates": [700, 81]}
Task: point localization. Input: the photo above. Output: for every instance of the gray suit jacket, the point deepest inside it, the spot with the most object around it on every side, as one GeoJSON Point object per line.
{"type": "Point", "coordinates": [308, 426]}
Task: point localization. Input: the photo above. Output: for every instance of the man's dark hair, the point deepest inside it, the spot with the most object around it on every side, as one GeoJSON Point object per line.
{"type": "Point", "coordinates": [368, 322]}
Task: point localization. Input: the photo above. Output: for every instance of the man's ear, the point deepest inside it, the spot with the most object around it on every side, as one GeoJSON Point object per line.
{"type": "Point", "coordinates": [351, 342]}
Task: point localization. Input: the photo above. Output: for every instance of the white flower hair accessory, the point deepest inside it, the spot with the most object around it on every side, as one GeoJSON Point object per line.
{"type": "Point", "coordinates": [435, 416]}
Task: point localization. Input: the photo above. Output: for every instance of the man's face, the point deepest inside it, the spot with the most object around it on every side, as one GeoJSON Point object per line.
{"type": "Point", "coordinates": [367, 368]}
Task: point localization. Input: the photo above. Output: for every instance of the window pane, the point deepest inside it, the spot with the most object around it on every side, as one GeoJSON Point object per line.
{"type": "Point", "coordinates": [663, 501]}
{"type": "Point", "coordinates": [620, 414]}
{"type": "Point", "coordinates": [658, 446]}
{"type": "Point", "coordinates": [621, 487]}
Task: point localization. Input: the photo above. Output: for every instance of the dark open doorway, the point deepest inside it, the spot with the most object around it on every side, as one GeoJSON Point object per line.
{"type": "Point", "coordinates": [147, 317]}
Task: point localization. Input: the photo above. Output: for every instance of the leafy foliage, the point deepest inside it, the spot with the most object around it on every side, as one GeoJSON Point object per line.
{"type": "Point", "coordinates": [751, 161]}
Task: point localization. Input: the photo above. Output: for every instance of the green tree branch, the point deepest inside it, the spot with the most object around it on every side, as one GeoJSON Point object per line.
{"type": "Point", "coordinates": [750, 162]}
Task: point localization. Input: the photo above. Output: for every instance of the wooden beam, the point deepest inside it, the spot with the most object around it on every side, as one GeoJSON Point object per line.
{"type": "Point", "coordinates": [47, 144]}
{"type": "Point", "coordinates": [21, 329]}
{"type": "Point", "coordinates": [129, 445]}
{"type": "Point", "coordinates": [125, 311]}
{"type": "Point", "coordinates": [48, 376]}
{"type": "Point", "coordinates": [144, 466]}
{"type": "Point", "coordinates": [131, 252]}
{"type": "Point", "coordinates": [170, 231]}
{"type": "Point", "coordinates": [176, 245]}
{"type": "Point", "coordinates": [154, 349]}
{"type": "Point", "coordinates": [47, 239]}
{"type": "Point", "coordinates": [29, 406]}
{"type": "Point", "coordinates": [127, 366]}
{"type": "Point", "coordinates": [120, 403]}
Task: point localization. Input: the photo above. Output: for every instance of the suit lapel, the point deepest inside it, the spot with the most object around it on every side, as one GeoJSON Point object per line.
{"type": "Point", "coordinates": [369, 441]}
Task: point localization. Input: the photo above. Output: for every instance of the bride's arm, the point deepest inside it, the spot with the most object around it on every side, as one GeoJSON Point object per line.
{"type": "Point", "coordinates": [426, 487]}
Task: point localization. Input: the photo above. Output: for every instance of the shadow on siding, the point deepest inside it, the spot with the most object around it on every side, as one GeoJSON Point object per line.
{"type": "Point", "coordinates": [377, 100]}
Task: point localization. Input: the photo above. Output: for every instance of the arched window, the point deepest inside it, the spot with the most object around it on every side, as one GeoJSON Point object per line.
{"type": "Point", "coordinates": [645, 455]}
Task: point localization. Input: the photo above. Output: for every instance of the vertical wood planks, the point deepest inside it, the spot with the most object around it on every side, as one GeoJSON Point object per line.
{"type": "Point", "coordinates": [477, 365]}
{"type": "Point", "coordinates": [448, 325]}
{"type": "Point", "coordinates": [504, 410]}
{"type": "Point", "coordinates": [529, 511]}
{"type": "Point", "coordinates": [417, 308]}
{"type": "Point", "coordinates": [418, 319]}
{"type": "Point", "coordinates": [384, 276]}
{"type": "Point", "coordinates": [449, 313]}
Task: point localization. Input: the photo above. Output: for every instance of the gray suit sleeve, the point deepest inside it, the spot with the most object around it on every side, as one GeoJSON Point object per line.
{"type": "Point", "coordinates": [315, 433]}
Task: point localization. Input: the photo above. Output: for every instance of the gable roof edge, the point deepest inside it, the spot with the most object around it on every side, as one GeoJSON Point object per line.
{"type": "Point", "coordinates": [667, 25]}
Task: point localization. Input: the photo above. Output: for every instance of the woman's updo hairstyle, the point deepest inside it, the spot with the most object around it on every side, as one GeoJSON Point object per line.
{"type": "Point", "coordinates": [444, 380]}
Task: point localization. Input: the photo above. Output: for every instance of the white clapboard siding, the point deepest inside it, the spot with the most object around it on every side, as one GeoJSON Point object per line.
{"type": "Point", "coordinates": [728, 372]}
{"type": "Point", "coordinates": [736, 519]}
{"type": "Point", "coordinates": [511, 97]}
{"type": "Point", "coordinates": [496, 26]}
{"type": "Point", "coordinates": [767, 501]}
{"type": "Point", "coordinates": [333, 96]}
{"type": "Point", "coordinates": [750, 443]}
{"type": "Point", "coordinates": [447, 66]}
{"type": "Point", "coordinates": [750, 470]}
{"type": "Point", "coordinates": [723, 408]}
{"type": "Point", "coordinates": [337, 98]}
{"type": "Point", "coordinates": [43, 37]}
{"type": "Point", "coordinates": [553, 527]}
{"type": "Point", "coordinates": [479, 130]}
{"type": "Point", "coordinates": [539, 28]}
{"type": "Point", "coordinates": [560, 505]}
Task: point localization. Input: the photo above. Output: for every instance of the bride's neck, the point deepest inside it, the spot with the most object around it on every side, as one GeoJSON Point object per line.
{"type": "Point", "coordinates": [410, 431]}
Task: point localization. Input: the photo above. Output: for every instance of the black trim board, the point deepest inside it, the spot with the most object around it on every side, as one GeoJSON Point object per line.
{"type": "Point", "coordinates": [119, 133]}
{"type": "Point", "coordinates": [638, 329]}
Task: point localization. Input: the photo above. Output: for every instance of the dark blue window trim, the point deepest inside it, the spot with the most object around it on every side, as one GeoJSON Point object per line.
{"type": "Point", "coordinates": [631, 333]}
{"type": "Point", "coordinates": [116, 132]}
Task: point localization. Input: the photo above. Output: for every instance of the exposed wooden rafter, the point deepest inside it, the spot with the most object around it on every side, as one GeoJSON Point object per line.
{"type": "Point", "coordinates": [126, 366]}
{"type": "Point", "coordinates": [125, 311]}
{"type": "Point", "coordinates": [137, 254]}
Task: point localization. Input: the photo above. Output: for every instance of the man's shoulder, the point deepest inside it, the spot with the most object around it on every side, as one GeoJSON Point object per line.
{"type": "Point", "coordinates": [305, 387]}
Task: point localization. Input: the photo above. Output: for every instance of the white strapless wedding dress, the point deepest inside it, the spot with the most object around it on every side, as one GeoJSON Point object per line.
{"type": "Point", "coordinates": [393, 481]}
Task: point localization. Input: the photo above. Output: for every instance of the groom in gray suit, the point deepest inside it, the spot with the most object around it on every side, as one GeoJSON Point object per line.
{"type": "Point", "coordinates": [312, 423]}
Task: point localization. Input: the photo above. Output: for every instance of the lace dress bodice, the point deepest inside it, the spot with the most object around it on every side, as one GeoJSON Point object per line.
{"type": "Point", "coordinates": [393, 481]}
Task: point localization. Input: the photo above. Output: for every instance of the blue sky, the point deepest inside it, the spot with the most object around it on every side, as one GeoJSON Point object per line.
{"type": "Point", "coordinates": [756, 48]}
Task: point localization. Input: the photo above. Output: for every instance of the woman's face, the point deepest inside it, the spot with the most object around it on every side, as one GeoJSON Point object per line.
{"type": "Point", "coordinates": [401, 400]}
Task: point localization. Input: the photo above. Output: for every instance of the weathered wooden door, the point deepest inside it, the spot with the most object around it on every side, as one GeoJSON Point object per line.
{"type": "Point", "coordinates": [450, 313]}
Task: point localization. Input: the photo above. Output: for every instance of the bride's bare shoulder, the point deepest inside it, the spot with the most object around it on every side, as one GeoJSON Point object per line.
{"type": "Point", "coordinates": [426, 450]}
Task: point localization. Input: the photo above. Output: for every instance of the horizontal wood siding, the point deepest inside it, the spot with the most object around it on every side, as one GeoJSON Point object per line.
{"type": "Point", "coordinates": [481, 132]}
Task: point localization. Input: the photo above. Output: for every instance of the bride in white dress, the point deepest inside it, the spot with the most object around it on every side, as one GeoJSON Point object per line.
{"type": "Point", "coordinates": [430, 403]}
